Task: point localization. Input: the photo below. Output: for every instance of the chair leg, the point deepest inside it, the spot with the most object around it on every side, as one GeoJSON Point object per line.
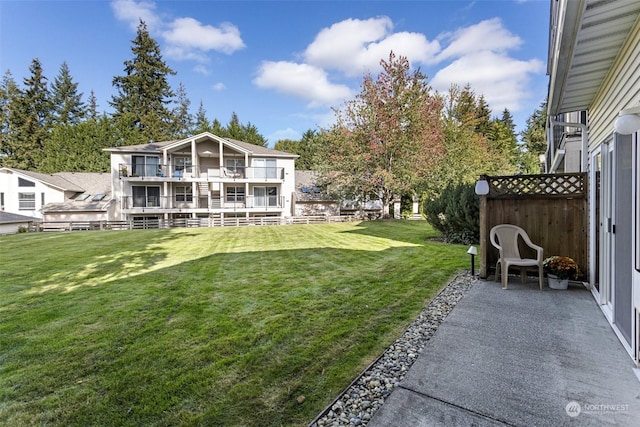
{"type": "Point", "coordinates": [523, 275]}
{"type": "Point", "coordinates": [498, 271]}
{"type": "Point", "coordinates": [540, 278]}
{"type": "Point", "coordinates": [505, 275]}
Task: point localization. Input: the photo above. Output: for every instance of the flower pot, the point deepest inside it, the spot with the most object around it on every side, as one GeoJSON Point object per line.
{"type": "Point", "coordinates": [555, 283]}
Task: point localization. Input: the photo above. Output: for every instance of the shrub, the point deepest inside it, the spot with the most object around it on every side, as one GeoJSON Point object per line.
{"type": "Point", "coordinates": [456, 214]}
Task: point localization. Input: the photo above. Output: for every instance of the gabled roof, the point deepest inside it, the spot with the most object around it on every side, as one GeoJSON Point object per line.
{"type": "Point", "coordinates": [154, 147]}
{"type": "Point", "coordinates": [12, 218]}
{"type": "Point", "coordinates": [244, 147]}
{"type": "Point", "coordinates": [53, 180]}
{"type": "Point", "coordinates": [585, 39]}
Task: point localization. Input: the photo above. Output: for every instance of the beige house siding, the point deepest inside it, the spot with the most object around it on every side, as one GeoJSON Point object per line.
{"type": "Point", "coordinates": [621, 89]}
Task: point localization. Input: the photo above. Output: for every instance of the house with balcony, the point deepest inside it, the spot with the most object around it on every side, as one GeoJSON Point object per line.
{"type": "Point", "coordinates": [201, 177]}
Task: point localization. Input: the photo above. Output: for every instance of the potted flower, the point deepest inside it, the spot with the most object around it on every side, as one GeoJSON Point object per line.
{"type": "Point", "coordinates": [559, 270]}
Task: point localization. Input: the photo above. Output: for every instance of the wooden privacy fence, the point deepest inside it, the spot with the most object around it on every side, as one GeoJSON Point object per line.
{"type": "Point", "coordinates": [552, 209]}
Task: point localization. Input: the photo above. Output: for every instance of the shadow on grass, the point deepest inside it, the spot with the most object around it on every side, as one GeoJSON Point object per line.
{"type": "Point", "coordinates": [85, 259]}
{"type": "Point", "coordinates": [223, 339]}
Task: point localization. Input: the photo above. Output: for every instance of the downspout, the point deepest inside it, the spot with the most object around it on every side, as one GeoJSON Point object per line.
{"type": "Point", "coordinates": [585, 141]}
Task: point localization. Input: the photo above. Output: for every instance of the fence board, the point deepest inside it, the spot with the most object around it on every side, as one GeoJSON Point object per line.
{"type": "Point", "coordinates": [551, 208]}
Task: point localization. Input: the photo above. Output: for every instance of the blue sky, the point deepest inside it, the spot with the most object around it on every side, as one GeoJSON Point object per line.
{"type": "Point", "coordinates": [283, 65]}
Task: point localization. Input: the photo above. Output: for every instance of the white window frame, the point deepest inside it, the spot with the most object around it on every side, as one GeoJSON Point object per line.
{"type": "Point", "coordinates": [27, 201]}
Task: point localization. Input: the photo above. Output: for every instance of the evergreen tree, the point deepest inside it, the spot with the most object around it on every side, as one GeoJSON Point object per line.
{"type": "Point", "coordinates": [503, 149]}
{"type": "Point", "coordinates": [8, 92]}
{"type": "Point", "coordinates": [238, 131]}
{"type": "Point", "coordinates": [67, 104]}
{"type": "Point", "coordinates": [483, 116]}
{"type": "Point", "coordinates": [182, 119]}
{"type": "Point", "coordinates": [534, 139]}
{"type": "Point", "coordinates": [29, 121]}
{"type": "Point", "coordinates": [218, 129]}
{"type": "Point", "coordinates": [144, 92]}
{"type": "Point", "coordinates": [80, 147]}
{"type": "Point", "coordinates": [92, 111]}
{"type": "Point", "coordinates": [201, 121]}
{"type": "Point", "coordinates": [507, 119]}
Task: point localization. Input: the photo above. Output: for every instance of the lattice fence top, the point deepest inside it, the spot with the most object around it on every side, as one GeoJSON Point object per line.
{"type": "Point", "coordinates": [551, 185]}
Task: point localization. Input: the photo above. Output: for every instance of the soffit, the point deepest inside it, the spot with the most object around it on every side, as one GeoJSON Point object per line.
{"type": "Point", "coordinates": [592, 39]}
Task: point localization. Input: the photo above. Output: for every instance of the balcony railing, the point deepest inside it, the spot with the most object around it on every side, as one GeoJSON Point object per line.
{"type": "Point", "coordinates": [128, 170]}
{"type": "Point", "coordinates": [153, 170]}
{"type": "Point", "coordinates": [181, 202]}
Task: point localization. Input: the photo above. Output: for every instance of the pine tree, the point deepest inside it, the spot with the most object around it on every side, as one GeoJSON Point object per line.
{"type": "Point", "coordinates": [92, 111]}
{"type": "Point", "coordinates": [144, 92]}
{"type": "Point", "coordinates": [201, 122]}
{"type": "Point", "coordinates": [29, 121]}
{"type": "Point", "coordinates": [534, 139]}
{"type": "Point", "coordinates": [182, 119]}
{"type": "Point", "coordinates": [67, 104]}
{"type": "Point", "coordinates": [8, 92]}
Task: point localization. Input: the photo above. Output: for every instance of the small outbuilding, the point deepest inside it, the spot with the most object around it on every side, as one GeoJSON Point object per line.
{"type": "Point", "coordinates": [11, 223]}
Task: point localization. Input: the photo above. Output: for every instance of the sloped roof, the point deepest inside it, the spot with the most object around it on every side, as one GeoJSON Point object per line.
{"type": "Point", "coordinates": [585, 39]}
{"type": "Point", "coordinates": [307, 190]}
{"type": "Point", "coordinates": [260, 150]}
{"type": "Point", "coordinates": [92, 184]}
{"type": "Point", "coordinates": [157, 147]}
{"type": "Point", "coordinates": [53, 180]}
{"type": "Point", "coordinates": [153, 147]}
{"type": "Point", "coordinates": [12, 218]}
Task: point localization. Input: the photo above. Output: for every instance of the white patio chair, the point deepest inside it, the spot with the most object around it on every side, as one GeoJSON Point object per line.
{"type": "Point", "coordinates": [505, 238]}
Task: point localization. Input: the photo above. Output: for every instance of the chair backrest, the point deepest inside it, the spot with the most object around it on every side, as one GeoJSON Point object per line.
{"type": "Point", "coordinates": [505, 238]}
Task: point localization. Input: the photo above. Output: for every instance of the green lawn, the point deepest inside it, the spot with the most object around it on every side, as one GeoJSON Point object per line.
{"type": "Point", "coordinates": [208, 326]}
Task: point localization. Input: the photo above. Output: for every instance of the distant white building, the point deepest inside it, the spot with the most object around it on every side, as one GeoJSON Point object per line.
{"type": "Point", "coordinates": [204, 176]}
{"type": "Point", "coordinates": [75, 196]}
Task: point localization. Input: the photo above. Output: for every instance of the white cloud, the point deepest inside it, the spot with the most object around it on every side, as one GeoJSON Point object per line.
{"type": "Point", "coordinates": [186, 38]}
{"type": "Point", "coordinates": [218, 87]}
{"type": "Point", "coordinates": [356, 46]}
{"type": "Point", "coordinates": [201, 69]}
{"type": "Point", "coordinates": [486, 35]}
{"type": "Point", "coordinates": [501, 79]}
{"type": "Point", "coordinates": [132, 12]}
{"type": "Point", "coordinates": [189, 35]}
{"type": "Point", "coordinates": [301, 80]}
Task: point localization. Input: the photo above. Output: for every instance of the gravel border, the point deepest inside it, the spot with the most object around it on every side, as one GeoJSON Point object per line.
{"type": "Point", "coordinates": [356, 405]}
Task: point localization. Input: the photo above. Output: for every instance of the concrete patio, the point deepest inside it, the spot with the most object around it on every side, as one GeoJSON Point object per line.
{"type": "Point", "coordinates": [521, 357]}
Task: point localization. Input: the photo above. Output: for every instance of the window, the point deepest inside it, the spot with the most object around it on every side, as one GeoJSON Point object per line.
{"type": "Point", "coordinates": [184, 194]}
{"type": "Point", "coordinates": [235, 194]}
{"type": "Point", "coordinates": [98, 197]}
{"type": "Point", "coordinates": [265, 168]}
{"type": "Point", "coordinates": [235, 166]}
{"type": "Point", "coordinates": [25, 183]}
{"type": "Point", "coordinates": [1, 201]}
{"type": "Point", "coordinates": [145, 166]}
{"type": "Point", "coordinates": [81, 197]}
{"type": "Point", "coordinates": [265, 197]}
{"type": "Point", "coordinates": [41, 199]}
{"type": "Point", "coordinates": [146, 197]}
{"type": "Point", "coordinates": [27, 201]}
{"type": "Point", "coordinates": [182, 163]}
